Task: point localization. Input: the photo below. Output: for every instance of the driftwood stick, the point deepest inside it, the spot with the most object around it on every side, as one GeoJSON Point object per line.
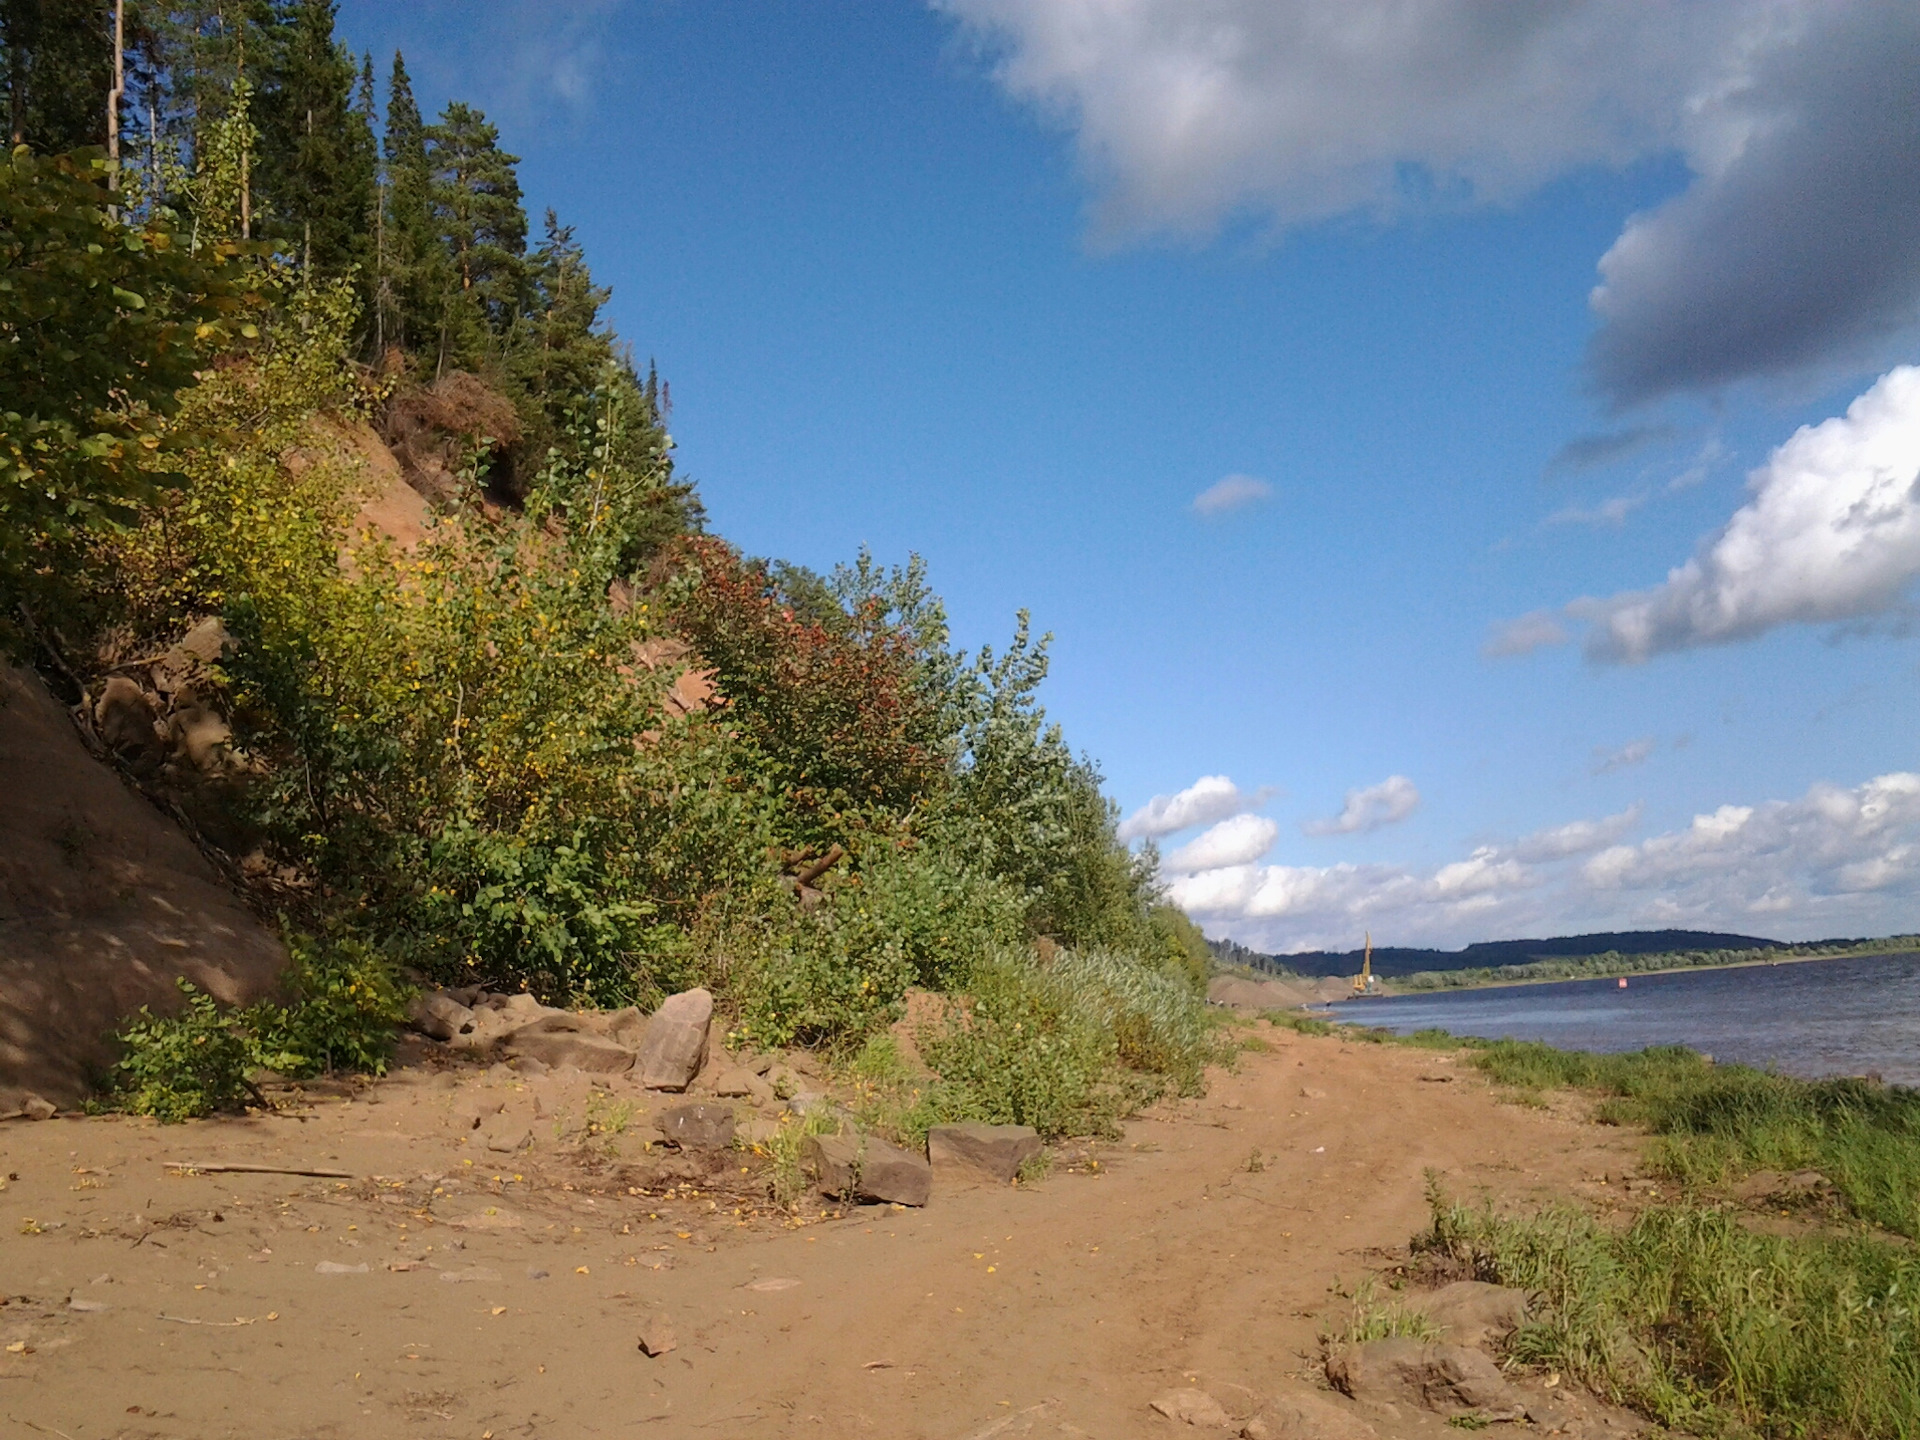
{"type": "Point", "coordinates": [213, 1168]}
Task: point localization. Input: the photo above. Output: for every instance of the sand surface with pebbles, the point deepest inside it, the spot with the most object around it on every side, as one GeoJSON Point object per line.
{"type": "Point", "coordinates": [447, 1287]}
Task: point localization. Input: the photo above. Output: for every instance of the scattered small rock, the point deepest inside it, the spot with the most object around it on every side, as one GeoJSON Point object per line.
{"type": "Point", "coordinates": [1446, 1378]}
{"type": "Point", "coordinates": [1307, 1415]}
{"type": "Point", "coordinates": [439, 1015]}
{"type": "Point", "coordinates": [1471, 1312]}
{"type": "Point", "coordinates": [733, 1084]}
{"type": "Point", "coordinates": [1307, 1092]}
{"type": "Point", "coordinates": [334, 1267]}
{"type": "Point", "coordinates": [507, 1138]}
{"type": "Point", "coordinates": [477, 1274]}
{"type": "Point", "coordinates": [698, 1126]}
{"type": "Point", "coordinates": [657, 1337]}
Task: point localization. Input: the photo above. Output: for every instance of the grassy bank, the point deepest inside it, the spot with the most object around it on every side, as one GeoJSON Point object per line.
{"type": "Point", "coordinates": [1699, 1322]}
{"type": "Point", "coordinates": [1694, 1313]}
{"type": "Point", "coordinates": [1613, 963]}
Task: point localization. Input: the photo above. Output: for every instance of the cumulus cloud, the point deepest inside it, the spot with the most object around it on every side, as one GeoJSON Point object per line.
{"type": "Point", "coordinates": [1231, 492]}
{"type": "Point", "coordinates": [1797, 238]}
{"type": "Point", "coordinates": [1832, 532]}
{"type": "Point", "coordinates": [1634, 752]}
{"type": "Point", "coordinates": [1800, 240]}
{"type": "Point", "coordinates": [1576, 837]}
{"type": "Point", "coordinates": [1210, 798]}
{"type": "Point", "coordinates": [1238, 841]}
{"type": "Point", "coordinates": [1837, 860]}
{"type": "Point", "coordinates": [1369, 808]}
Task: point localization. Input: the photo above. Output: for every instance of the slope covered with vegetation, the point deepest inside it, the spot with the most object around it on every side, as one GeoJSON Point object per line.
{"type": "Point", "coordinates": [564, 739]}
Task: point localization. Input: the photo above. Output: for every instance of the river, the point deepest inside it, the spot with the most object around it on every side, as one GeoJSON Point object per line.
{"type": "Point", "coordinates": [1810, 1018]}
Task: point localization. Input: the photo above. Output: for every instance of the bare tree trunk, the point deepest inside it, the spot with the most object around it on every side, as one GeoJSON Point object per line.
{"type": "Point", "coordinates": [115, 95]}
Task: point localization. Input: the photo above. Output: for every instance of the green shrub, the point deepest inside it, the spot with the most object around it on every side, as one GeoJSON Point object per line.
{"type": "Point", "coordinates": [185, 1066]}
{"type": "Point", "coordinates": [1066, 1047]}
{"type": "Point", "coordinates": [345, 1006]}
{"type": "Point", "coordinates": [1022, 1050]}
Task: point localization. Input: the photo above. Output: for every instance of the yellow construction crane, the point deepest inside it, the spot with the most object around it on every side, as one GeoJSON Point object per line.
{"type": "Point", "coordinates": [1363, 982]}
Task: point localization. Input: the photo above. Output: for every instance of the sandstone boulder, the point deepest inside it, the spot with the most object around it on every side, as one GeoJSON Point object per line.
{"type": "Point", "coordinates": [865, 1167]}
{"type": "Point", "coordinates": [1450, 1379]}
{"type": "Point", "coordinates": [1192, 1407]}
{"type": "Point", "coordinates": [674, 1042]}
{"type": "Point", "coordinates": [125, 721]}
{"type": "Point", "coordinates": [438, 1014]}
{"type": "Point", "coordinates": [733, 1084]}
{"type": "Point", "coordinates": [698, 1127]}
{"type": "Point", "coordinates": [980, 1154]}
{"type": "Point", "coordinates": [1306, 1415]}
{"type": "Point", "coordinates": [1471, 1312]}
{"type": "Point", "coordinates": [563, 1039]}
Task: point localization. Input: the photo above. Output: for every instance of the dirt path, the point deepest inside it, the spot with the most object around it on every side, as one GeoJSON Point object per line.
{"type": "Point", "coordinates": [1173, 1256]}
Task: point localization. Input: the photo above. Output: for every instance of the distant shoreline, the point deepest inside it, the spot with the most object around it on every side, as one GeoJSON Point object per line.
{"type": "Point", "coordinates": [1396, 988]}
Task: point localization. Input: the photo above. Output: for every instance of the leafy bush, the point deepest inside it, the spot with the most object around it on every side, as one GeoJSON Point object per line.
{"type": "Point", "coordinates": [345, 1006]}
{"type": "Point", "coordinates": [103, 324]}
{"type": "Point", "coordinates": [1023, 1049]}
{"type": "Point", "coordinates": [181, 1067]}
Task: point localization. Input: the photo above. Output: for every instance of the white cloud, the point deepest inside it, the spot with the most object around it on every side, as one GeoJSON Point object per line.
{"type": "Point", "coordinates": [1798, 238]}
{"type": "Point", "coordinates": [1832, 532]}
{"type": "Point", "coordinates": [1836, 861]}
{"type": "Point", "coordinates": [1238, 841]}
{"type": "Point", "coordinates": [1536, 630]}
{"type": "Point", "coordinates": [1577, 837]}
{"type": "Point", "coordinates": [1613, 511]}
{"type": "Point", "coordinates": [1371, 807]}
{"type": "Point", "coordinates": [1210, 798]}
{"type": "Point", "coordinates": [1231, 492]}
{"type": "Point", "coordinates": [1634, 752]}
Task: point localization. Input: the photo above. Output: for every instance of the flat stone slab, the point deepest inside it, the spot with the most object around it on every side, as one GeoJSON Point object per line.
{"type": "Point", "coordinates": [698, 1126]}
{"type": "Point", "coordinates": [674, 1041]}
{"type": "Point", "coordinates": [865, 1167]}
{"type": "Point", "coordinates": [980, 1154]}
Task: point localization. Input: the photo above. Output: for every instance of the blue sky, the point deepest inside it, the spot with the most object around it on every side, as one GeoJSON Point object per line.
{"type": "Point", "coordinates": [1012, 283]}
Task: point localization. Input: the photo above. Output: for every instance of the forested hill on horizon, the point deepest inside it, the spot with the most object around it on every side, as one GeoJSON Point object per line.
{"type": "Point", "coordinates": [1407, 960]}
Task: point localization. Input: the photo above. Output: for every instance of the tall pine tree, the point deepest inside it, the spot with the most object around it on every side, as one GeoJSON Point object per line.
{"type": "Point", "coordinates": [412, 284]}
{"type": "Point", "coordinates": [56, 60]}
{"type": "Point", "coordinates": [474, 196]}
{"type": "Point", "coordinates": [317, 150]}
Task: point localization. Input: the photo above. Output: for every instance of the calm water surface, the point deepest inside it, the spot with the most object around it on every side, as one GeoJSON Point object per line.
{"type": "Point", "coordinates": [1809, 1018]}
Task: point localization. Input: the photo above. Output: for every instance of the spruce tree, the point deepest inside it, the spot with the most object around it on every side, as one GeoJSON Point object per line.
{"type": "Point", "coordinates": [474, 197]}
{"type": "Point", "coordinates": [409, 298]}
{"type": "Point", "coordinates": [317, 151]}
{"type": "Point", "coordinates": [56, 60]}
